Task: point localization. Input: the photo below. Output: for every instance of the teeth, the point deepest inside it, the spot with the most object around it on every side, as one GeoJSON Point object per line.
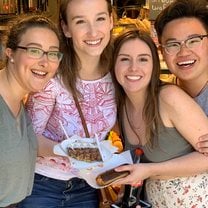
{"type": "Point", "coordinates": [39, 72]}
{"type": "Point", "coordinates": [93, 42]}
{"type": "Point", "coordinates": [186, 62]}
{"type": "Point", "coordinates": [134, 77]}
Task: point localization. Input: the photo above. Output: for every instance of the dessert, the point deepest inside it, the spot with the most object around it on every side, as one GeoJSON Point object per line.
{"type": "Point", "coordinates": [85, 154]}
{"type": "Point", "coordinates": [83, 150]}
{"type": "Point", "coordinates": [110, 176]}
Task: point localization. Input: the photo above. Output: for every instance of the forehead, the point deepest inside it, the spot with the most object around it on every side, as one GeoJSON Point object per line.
{"type": "Point", "coordinates": [182, 28]}
{"type": "Point", "coordinates": [135, 46]}
{"type": "Point", "coordinates": [86, 7]}
{"type": "Point", "coordinates": [40, 35]}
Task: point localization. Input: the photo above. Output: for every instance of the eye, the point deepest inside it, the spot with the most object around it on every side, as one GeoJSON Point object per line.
{"type": "Point", "coordinates": [53, 54]}
{"type": "Point", "coordinates": [172, 44]}
{"type": "Point", "coordinates": [101, 18]}
{"type": "Point", "coordinates": [124, 59]}
{"type": "Point", "coordinates": [194, 40]}
{"type": "Point", "coordinates": [35, 51]}
{"type": "Point", "coordinates": [80, 21]}
{"type": "Point", "coordinates": [143, 59]}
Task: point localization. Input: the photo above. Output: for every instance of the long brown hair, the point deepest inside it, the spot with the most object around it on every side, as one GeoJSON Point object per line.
{"type": "Point", "coordinates": [70, 63]}
{"type": "Point", "coordinates": [151, 114]}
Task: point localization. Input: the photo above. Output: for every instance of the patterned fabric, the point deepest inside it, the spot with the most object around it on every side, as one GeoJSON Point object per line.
{"type": "Point", "coordinates": [186, 192]}
{"type": "Point", "coordinates": [55, 104]}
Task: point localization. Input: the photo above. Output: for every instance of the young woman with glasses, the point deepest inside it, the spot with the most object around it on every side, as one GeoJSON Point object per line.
{"type": "Point", "coordinates": [32, 58]}
{"type": "Point", "coordinates": [84, 72]}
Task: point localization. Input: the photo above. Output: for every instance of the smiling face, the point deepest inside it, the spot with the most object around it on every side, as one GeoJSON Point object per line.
{"type": "Point", "coordinates": [134, 65]}
{"type": "Point", "coordinates": [187, 64]}
{"type": "Point", "coordinates": [32, 74]}
{"type": "Point", "coordinates": [88, 24]}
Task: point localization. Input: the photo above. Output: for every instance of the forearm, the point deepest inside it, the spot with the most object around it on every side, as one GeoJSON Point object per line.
{"type": "Point", "coordinates": [190, 164]}
{"type": "Point", "coordinates": [45, 146]}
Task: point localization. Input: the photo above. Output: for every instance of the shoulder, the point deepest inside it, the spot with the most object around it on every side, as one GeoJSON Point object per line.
{"type": "Point", "coordinates": [174, 101]}
{"type": "Point", "coordinates": [172, 94]}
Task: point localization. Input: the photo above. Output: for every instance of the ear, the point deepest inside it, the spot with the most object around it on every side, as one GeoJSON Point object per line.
{"type": "Point", "coordinates": [65, 29]}
{"type": "Point", "coordinates": [111, 21]}
{"type": "Point", "coordinates": [160, 48]}
{"type": "Point", "coordinates": [9, 54]}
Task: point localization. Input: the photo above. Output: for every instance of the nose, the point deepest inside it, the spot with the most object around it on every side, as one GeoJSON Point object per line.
{"type": "Point", "coordinates": [92, 29]}
{"type": "Point", "coordinates": [43, 61]}
{"type": "Point", "coordinates": [184, 49]}
{"type": "Point", "coordinates": [133, 66]}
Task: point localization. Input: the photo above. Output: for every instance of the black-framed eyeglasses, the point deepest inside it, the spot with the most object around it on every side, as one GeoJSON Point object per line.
{"type": "Point", "coordinates": [173, 47]}
{"type": "Point", "coordinates": [36, 53]}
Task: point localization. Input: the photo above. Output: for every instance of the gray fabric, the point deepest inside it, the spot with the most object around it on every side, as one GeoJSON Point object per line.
{"type": "Point", "coordinates": [170, 145]}
{"type": "Point", "coordinates": [202, 99]}
{"type": "Point", "coordinates": [18, 149]}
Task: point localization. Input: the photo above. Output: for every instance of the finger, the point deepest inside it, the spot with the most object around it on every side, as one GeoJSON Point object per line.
{"type": "Point", "coordinates": [202, 144]}
{"type": "Point", "coordinates": [203, 150]}
{"type": "Point", "coordinates": [123, 168]}
{"type": "Point", "coordinates": [123, 181]}
{"type": "Point", "coordinates": [203, 137]}
{"type": "Point", "coordinates": [138, 184]}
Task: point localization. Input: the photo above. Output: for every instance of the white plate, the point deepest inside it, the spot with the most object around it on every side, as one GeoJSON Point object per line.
{"type": "Point", "coordinates": [106, 148]}
{"type": "Point", "coordinates": [89, 175]}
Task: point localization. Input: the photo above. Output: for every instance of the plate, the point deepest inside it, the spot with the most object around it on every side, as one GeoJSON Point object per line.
{"type": "Point", "coordinates": [90, 175]}
{"type": "Point", "coordinates": [107, 150]}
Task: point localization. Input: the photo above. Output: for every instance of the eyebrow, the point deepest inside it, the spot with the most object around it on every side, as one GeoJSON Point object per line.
{"type": "Point", "coordinates": [142, 54]}
{"type": "Point", "coordinates": [82, 16]}
{"type": "Point", "coordinates": [189, 36]}
{"type": "Point", "coordinates": [40, 46]}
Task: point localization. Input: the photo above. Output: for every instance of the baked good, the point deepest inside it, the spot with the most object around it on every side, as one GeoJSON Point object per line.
{"type": "Point", "coordinates": [86, 154]}
{"type": "Point", "coordinates": [110, 176]}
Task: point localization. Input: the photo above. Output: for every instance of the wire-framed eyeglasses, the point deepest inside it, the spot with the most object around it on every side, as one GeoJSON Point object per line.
{"type": "Point", "coordinates": [36, 53]}
{"type": "Point", "coordinates": [173, 47]}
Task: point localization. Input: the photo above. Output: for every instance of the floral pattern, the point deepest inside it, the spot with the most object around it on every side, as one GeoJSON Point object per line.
{"type": "Point", "coordinates": [184, 192]}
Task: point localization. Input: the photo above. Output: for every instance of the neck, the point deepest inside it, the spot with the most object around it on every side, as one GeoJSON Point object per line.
{"type": "Point", "coordinates": [11, 92]}
{"type": "Point", "coordinates": [91, 69]}
{"type": "Point", "coordinates": [136, 101]}
{"type": "Point", "coordinates": [193, 87]}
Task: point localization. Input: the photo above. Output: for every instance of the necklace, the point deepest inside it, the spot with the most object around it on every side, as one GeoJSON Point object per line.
{"type": "Point", "coordinates": [131, 125]}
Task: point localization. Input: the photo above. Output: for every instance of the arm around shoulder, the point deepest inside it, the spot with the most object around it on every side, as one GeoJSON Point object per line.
{"type": "Point", "coordinates": [179, 110]}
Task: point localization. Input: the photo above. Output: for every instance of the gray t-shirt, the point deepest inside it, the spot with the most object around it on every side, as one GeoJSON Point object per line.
{"type": "Point", "coordinates": [202, 99]}
{"type": "Point", "coordinates": [18, 151]}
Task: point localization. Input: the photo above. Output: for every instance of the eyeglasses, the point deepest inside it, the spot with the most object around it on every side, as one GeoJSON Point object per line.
{"type": "Point", "coordinates": [174, 47]}
{"type": "Point", "coordinates": [37, 53]}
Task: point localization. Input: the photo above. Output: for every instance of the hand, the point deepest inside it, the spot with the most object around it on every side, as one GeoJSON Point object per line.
{"type": "Point", "coordinates": [202, 145]}
{"type": "Point", "coordinates": [138, 173]}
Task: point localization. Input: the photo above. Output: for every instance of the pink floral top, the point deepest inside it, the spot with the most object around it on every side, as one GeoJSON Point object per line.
{"type": "Point", "coordinates": [55, 103]}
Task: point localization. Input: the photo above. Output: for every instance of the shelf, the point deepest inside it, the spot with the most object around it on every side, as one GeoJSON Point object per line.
{"type": "Point", "coordinates": [3, 28]}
